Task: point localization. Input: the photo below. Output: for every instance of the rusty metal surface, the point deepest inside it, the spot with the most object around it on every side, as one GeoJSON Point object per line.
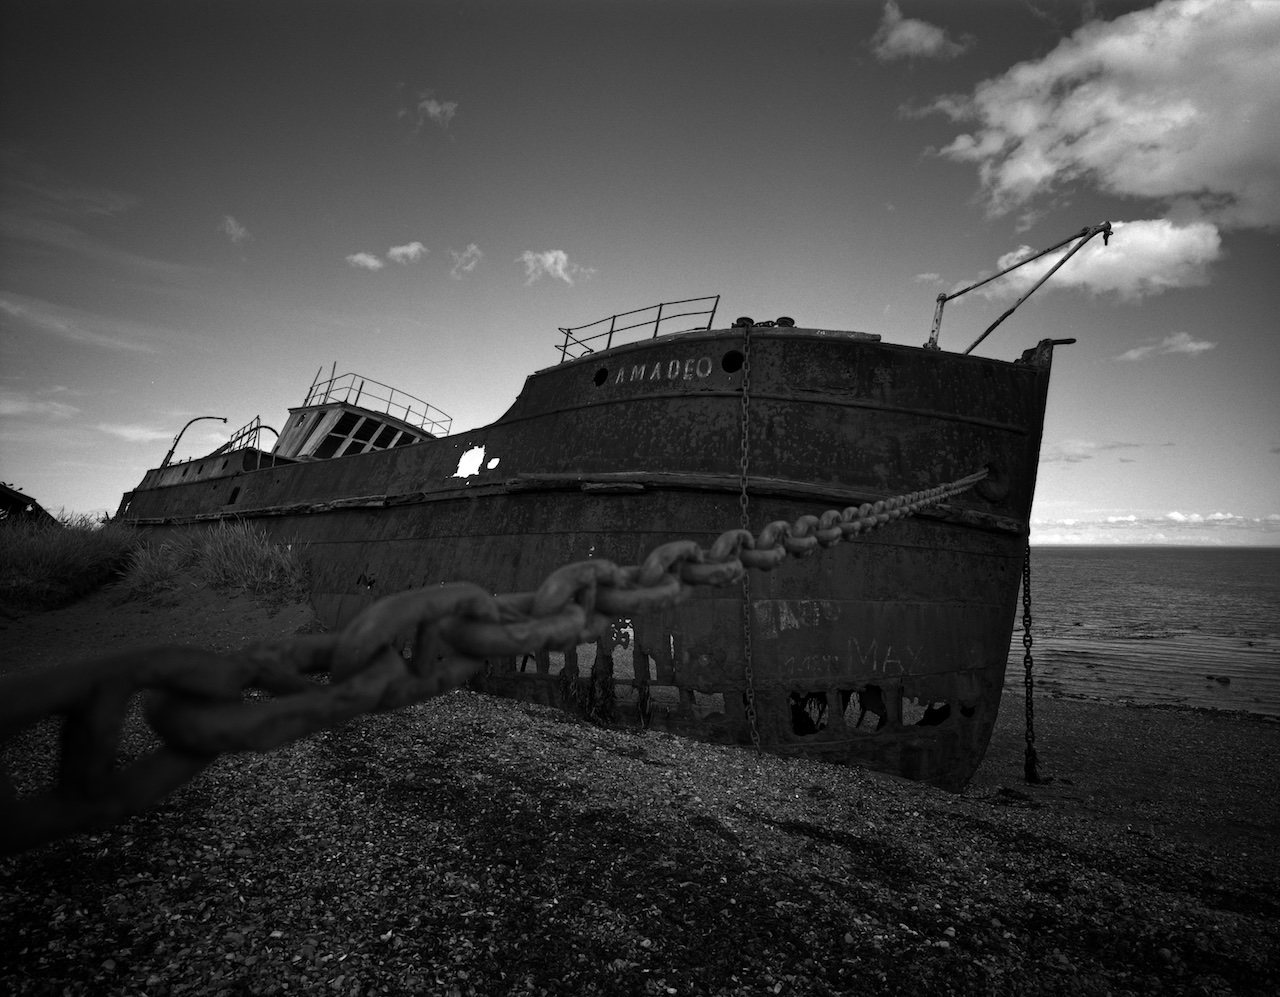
{"type": "Point", "coordinates": [615, 453]}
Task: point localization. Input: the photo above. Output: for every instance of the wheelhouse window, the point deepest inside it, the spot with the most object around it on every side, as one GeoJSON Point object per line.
{"type": "Point", "coordinates": [354, 434]}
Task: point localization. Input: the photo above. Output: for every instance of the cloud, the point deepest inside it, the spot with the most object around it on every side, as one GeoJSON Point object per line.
{"type": "Point", "coordinates": [365, 261]}
{"type": "Point", "coordinates": [21, 403]}
{"type": "Point", "coordinates": [1179, 342]}
{"type": "Point", "coordinates": [1176, 103]}
{"type": "Point", "coordinates": [428, 108]}
{"type": "Point", "coordinates": [402, 254]}
{"type": "Point", "coordinates": [1216, 529]}
{"type": "Point", "coordinates": [901, 37]}
{"type": "Point", "coordinates": [133, 434]}
{"type": "Point", "coordinates": [1141, 259]}
{"type": "Point", "coordinates": [70, 324]}
{"type": "Point", "coordinates": [235, 231]}
{"type": "Point", "coordinates": [18, 227]}
{"type": "Point", "coordinates": [927, 278]}
{"type": "Point", "coordinates": [1075, 451]}
{"type": "Point", "coordinates": [466, 261]}
{"type": "Point", "coordinates": [553, 263]}
{"type": "Point", "coordinates": [43, 190]}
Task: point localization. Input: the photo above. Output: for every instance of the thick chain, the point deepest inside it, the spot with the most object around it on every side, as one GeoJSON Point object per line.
{"type": "Point", "coordinates": [1030, 762]}
{"type": "Point", "coordinates": [195, 701]}
{"type": "Point", "coordinates": [745, 522]}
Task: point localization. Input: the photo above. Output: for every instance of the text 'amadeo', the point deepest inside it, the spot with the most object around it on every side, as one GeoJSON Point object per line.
{"type": "Point", "coordinates": [673, 370]}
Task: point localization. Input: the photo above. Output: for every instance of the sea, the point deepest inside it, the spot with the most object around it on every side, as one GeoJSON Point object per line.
{"type": "Point", "coordinates": [1181, 626]}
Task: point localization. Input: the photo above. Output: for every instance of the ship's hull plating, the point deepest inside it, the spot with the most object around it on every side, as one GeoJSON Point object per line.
{"type": "Point", "coordinates": [906, 628]}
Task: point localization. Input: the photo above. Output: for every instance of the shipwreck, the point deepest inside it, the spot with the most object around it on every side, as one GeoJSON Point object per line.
{"type": "Point", "coordinates": [887, 651]}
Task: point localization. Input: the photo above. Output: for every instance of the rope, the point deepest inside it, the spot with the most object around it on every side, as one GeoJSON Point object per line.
{"type": "Point", "coordinates": [194, 699]}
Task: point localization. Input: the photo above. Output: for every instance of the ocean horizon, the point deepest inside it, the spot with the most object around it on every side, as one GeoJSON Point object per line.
{"type": "Point", "coordinates": [1175, 625]}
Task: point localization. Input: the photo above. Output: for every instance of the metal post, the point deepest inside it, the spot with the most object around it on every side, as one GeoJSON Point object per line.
{"type": "Point", "coordinates": [1084, 235]}
{"type": "Point", "coordinates": [169, 456]}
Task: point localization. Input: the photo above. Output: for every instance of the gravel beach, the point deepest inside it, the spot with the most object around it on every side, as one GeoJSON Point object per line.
{"type": "Point", "coordinates": [479, 846]}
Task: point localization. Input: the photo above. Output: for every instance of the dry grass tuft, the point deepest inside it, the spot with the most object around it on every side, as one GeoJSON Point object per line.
{"type": "Point", "coordinates": [228, 556]}
{"type": "Point", "coordinates": [48, 564]}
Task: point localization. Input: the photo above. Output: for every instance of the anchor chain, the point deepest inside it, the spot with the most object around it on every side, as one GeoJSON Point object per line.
{"type": "Point", "coordinates": [1030, 762]}
{"type": "Point", "coordinates": [745, 523]}
{"type": "Point", "coordinates": [194, 700]}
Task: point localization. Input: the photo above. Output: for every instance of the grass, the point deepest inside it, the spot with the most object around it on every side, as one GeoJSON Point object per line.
{"type": "Point", "coordinates": [228, 556]}
{"type": "Point", "coordinates": [47, 564]}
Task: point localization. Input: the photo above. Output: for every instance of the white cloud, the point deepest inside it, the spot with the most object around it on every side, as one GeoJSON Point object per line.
{"type": "Point", "coordinates": [403, 254]}
{"type": "Point", "coordinates": [46, 190]}
{"type": "Point", "coordinates": [234, 230]}
{"type": "Point", "coordinates": [1176, 103]}
{"type": "Point", "coordinates": [901, 37]}
{"type": "Point", "coordinates": [365, 261]}
{"type": "Point", "coordinates": [1179, 342]}
{"type": "Point", "coordinates": [1141, 258]}
{"type": "Point", "coordinates": [465, 262]}
{"type": "Point", "coordinates": [1075, 451]}
{"type": "Point", "coordinates": [134, 434]}
{"type": "Point", "coordinates": [553, 263]}
{"type": "Point", "coordinates": [428, 108]}
{"type": "Point", "coordinates": [927, 278]}
{"type": "Point", "coordinates": [70, 324]}
{"type": "Point", "coordinates": [21, 403]}
{"type": "Point", "coordinates": [1217, 529]}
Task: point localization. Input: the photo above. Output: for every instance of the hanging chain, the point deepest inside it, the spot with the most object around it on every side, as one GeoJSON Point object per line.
{"type": "Point", "coordinates": [745, 520]}
{"type": "Point", "coordinates": [195, 703]}
{"type": "Point", "coordinates": [1030, 762]}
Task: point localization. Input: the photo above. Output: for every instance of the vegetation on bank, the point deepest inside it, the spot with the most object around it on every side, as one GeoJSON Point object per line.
{"type": "Point", "coordinates": [45, 565]}
{"type": "Point", "coordinates": [228, 556]}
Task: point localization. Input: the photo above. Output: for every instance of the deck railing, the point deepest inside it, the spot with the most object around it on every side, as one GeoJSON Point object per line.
{"type": "Point", "coordinates": [247, 436]}
{"type": "Point", "coordinates": [356, 389]}
{"type": "Point", "coordinates": [578, 339]}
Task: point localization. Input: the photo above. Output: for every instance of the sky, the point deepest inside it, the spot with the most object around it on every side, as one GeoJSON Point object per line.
{"type": "Point", "coordinates": [203, 204]}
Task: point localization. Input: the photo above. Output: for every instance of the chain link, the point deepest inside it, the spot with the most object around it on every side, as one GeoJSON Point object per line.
{"type": "Point", "coordinates": [745, 522]}
{"type": "Point", "coordinates": [195, 701]}
{"type": "Point", "coordinates": [1030, 762]}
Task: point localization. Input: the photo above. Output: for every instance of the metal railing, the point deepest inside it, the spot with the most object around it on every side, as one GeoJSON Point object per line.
{"type": "Point", "coordinates": [657, 315]}
{"type": "Point", "coordinates": [356, 389]}
{"type": "Point", "coordinates": [248, 435]}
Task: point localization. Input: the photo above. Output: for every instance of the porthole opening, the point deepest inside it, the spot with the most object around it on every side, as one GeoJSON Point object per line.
{"type": "Point", "coordinates": [731, 362]}
{"type": "Point", "coordinates": [602, 375]}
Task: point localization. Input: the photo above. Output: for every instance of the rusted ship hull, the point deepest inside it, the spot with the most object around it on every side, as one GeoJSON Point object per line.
{"type": "Point", "coordinates": [614, 453]}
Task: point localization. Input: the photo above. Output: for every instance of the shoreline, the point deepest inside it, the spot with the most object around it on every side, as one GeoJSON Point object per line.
{"type": "Point", "coordinates": [473, 845]}
{"type": "Point", "coordinates": [1195, 770]}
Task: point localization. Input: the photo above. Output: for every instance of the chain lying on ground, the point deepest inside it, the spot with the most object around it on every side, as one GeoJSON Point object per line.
{"type": "Point", "coordinates": [195, 703]}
